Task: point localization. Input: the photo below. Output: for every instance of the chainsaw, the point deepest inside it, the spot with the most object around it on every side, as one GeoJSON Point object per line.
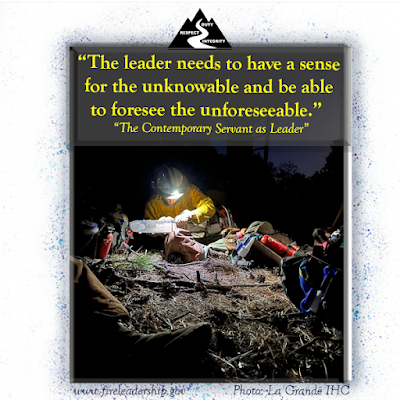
{"type": "Point", "coordinates": [152, 226]}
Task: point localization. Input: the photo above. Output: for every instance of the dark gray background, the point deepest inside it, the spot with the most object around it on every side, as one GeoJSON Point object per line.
{"type": "Point", "coordinates": [327, 126]}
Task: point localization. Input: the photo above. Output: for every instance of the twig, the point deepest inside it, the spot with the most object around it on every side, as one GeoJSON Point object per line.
{"type": "Point", "coordinates": [272, 353]}
{"type": "Point", "coordinates": [166, 320]}
{"type": "Point", "coordinates": [293, 315]}
{"type": "Point", "coordinates": [240, 356]}
{"type": "Point", "coordinates": [153, 284]}
{"type": "Point", "coordinates": [182, 265]}
{"type": "Point", "coordinates": [308, 344]}
{"type": "Point", "coordinates": [326, 371]}
{"type": "Point", "coordinates": [250, 285]}
{"type": "Point", "coordinates": [224, 361]}
{"type": "Point", "coordinates": [180, 316]}
{"type": "Point", "coordinates": [168, 273]}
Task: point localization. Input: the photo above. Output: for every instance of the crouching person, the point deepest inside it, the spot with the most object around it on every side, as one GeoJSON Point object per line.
{"type": "Point", "coordinates": [103, 349]}
{"type": "Point", "coordinates": [174, 198]}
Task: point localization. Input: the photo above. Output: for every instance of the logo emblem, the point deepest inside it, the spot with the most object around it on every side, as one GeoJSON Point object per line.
{"type": "Point", "coordinates": [200, 34]}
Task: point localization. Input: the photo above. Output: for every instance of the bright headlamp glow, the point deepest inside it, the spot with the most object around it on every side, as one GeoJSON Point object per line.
{"type": "Point", "coordinates": [175, 195]}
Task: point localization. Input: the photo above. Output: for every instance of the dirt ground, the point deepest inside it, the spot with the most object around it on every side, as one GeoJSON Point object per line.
{"type": "Point", "coordinates": [258, 334]}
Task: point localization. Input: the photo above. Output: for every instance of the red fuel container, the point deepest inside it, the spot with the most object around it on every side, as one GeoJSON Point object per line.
{"type": "Point", "coordinates": [105, 246]}
{"type": "Point", "coordinates": [281, 248]}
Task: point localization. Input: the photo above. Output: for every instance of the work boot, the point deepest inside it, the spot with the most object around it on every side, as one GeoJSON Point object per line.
{"type": "Point", "coordinates": [164, 355]}
{"type": "Point", "coordinates": [103, 348]}
{"type": "Point", "coordinates": [191, 340]}
{"type": "Point", "coordinates": [109, 351]}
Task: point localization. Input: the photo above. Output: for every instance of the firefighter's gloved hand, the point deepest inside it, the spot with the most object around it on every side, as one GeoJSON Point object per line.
{"type": "Point", "coordinates": [184, 216]}
{"type": "Point", "coordinates": [170, 219]}
{"type": "Point", "coordinates": [182, 224]}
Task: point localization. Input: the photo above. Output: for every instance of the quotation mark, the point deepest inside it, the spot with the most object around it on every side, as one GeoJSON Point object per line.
{"type": "Point", "coordinates": [82, 57]}
{"type": "Point", "coordinates": [306, 125]}
{"type": "Point", "coordinates": [317, 105]}
{"type": "Point", "coordinates": [116, 124]}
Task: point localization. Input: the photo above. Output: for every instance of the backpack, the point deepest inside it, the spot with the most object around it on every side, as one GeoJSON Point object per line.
{"type": "Point", "coordinates": [290, 278]}
{"type": "Point", "coordinates": [313, 280]}
{"type": "Point", "coordinates": [222, 219]}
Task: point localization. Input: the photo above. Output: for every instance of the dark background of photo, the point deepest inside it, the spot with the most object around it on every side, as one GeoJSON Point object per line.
{"type": "Point", "coordinates": [284, 192]}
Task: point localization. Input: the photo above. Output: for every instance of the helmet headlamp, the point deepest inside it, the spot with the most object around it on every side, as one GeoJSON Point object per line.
{"type": "Point", "coordinates": [170, 183]}
{"type": "Point", "coordinates": [174, 195]}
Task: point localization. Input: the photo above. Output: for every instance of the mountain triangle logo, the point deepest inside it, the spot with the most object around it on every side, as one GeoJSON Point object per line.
{"type": "Point", "coordinates": [200, 33]}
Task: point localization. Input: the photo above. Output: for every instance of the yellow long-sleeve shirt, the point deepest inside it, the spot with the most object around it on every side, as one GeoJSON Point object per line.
{"type": "Point", "coordinates": [193, 199]}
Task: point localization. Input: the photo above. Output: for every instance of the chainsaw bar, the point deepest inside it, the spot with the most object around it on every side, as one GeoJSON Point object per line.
{"type": "Point", "coordinates": [152, 226]}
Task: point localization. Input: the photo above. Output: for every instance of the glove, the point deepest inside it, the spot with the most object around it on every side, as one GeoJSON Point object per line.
{"type": "Point", "coordinates": [166, 219]}
{"type": "Point", "coordinates": [184, 216]}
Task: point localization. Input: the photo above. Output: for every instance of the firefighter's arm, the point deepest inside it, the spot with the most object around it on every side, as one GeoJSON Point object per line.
{"type": "Point", "coordinates": [150, 212]}
{"type": "Point", "coordinates": [205, 208]}
{"type": "Point", "coordinates": [153, 212]}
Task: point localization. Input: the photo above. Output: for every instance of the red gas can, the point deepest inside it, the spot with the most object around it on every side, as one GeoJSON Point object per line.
{"type": "Point", "coordinates": [281, 248]}
{"type": "Point", "coordinates": [105, 246]}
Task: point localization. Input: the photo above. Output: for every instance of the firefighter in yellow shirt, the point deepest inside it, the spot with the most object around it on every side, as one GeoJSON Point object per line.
{"type": "Point", "coordinates": [175, 198]}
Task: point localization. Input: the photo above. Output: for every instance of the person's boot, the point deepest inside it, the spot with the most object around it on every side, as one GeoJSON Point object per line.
{"type": "Point", "coordinates": [194, 339]}
{"type": "Point", "coordinates": [167, 355]}
{"type": "Point", "coordinates": [109, 351]}
{"type": "Point", "coordinates": [104, 348]}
